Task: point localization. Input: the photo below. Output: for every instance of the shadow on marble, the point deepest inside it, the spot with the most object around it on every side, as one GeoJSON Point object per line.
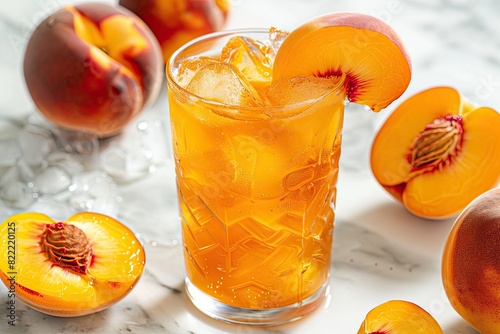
{"type": "Point", "coordinates": [360, 249]}
{"type": "Point", "coordinates": [393, 222]}
{"type": "Point", "coordinates": [459, 327]}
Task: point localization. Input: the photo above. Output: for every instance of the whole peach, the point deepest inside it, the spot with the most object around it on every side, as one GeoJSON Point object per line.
{"type": "Point", "coordinates": [93, 67]}
{"type": "Point", "coordinates": [471, 263]}
{"type": "Point", "coordinates": [176, 22]}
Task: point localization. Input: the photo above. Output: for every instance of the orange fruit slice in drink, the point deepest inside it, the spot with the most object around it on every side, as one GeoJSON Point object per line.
{"type": "Point", "coordinates": [367, 50]}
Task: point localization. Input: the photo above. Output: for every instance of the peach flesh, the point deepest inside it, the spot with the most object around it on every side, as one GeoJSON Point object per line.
{"type": "Point", "coordinates": [52, 286]}
{"type": "Point", "coordinates": [376, 63]}
{"type": "Point", "coordinates": [398, 317]}
{"type": "Point", "coordinates": [460, 171]}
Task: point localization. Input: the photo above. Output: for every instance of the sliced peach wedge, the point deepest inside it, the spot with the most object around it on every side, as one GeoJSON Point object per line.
{"type": "Point", "coordinates": [72, 268]}
{"type": "Point", "coordinates": [367, 50]}
{"type": "Point", "coordinates": [436, 152]}
{"type": "Point", "coordinates": [399, 317]}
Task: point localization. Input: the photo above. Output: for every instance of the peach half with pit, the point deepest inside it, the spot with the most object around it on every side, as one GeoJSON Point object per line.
{"type": "Point", "coordinates": [72, 268]}
{"type": "Point", "coordinates": [176, 22]}
{"type": "Point", "coordinates": [471, 263]}
{"type": "Point", "coordinates": [399, 317]}
{"type": "Point", "coordinates": [93, 67]}
{"type": "Point", "coordinates": [436, 152]}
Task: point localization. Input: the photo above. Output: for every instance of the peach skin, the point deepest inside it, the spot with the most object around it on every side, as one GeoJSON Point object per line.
{"type": "Point", "coordinates": [399, 317]}
{"type": "Point", "coordinates": [177, 22]}
{"type": "Point", "coordinates": [93, 68]}
{"type": "Point", "coordinates": [471, 263]}
{"type": "Point", "coordinates": [366, 49]}
{"type": "Point", "coordinates": [72, 268]}
{"type": "Point", "coordinates": [436, 152]}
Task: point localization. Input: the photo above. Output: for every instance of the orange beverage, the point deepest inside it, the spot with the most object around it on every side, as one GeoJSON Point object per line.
{"type": "Point", "coordinates": [257, 166]}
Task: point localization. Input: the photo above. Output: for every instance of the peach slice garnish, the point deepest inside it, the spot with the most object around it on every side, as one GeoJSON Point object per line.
{"type": "Point", "coordinates": [399, 317]}
{"type": "Point", "coordinates": [364, 48]}
{"type": "Point", "coordinates": [436, 152]}
{"type": "Point", "coordinates": [71, 268]}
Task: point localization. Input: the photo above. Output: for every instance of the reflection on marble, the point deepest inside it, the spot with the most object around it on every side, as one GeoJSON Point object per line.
{"type": "Point", "coordinates": [380, 251]}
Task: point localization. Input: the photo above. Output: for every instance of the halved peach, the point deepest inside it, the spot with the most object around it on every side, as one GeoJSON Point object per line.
{"type": "Point", "coordinates": [71, 268]}
{"type": "Point", "coordinates": [437, 151]}
{"type": "Point", "coordinates": [369, 52]}
{"type": "Point", "coordinates": [399, 317]}
{"type": "Point", "coordinates": [471, 263]}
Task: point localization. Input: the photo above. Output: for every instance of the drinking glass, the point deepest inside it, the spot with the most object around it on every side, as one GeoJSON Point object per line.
{"type": "Point", "coordinates": [256, 188]}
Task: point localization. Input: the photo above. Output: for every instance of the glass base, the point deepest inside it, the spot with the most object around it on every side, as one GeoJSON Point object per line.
{"type": "Point", "coordinates": [255, 317]}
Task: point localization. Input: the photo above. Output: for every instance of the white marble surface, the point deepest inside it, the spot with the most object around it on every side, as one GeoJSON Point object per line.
{"type": "Point", "coordinates": [381, 252]}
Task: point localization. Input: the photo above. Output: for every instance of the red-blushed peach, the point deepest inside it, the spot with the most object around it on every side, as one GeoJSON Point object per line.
{"type": "Point", "coordinates": [176, 22]}
{"type": "Point", "coordinates": [93, 67]}
{"type": "Point", "coordinates": [471, 263]}
{"type": "Point", "coordinates": [367, 50]}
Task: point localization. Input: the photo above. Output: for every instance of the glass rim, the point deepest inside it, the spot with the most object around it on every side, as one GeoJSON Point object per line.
{"type": "Point", "coordinates": [255, 110]}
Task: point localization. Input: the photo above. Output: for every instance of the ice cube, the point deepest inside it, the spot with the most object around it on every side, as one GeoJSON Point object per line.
{"type": "Point", "coordinates": [70, 163]}
{"type": "Point", "coordinates": [95, 191]}
{"type": "Point", "coordinates": [222, 82]}
{"type": "Point", "coordinates": [250, 57]}
{"type": "Point", "coordinates": [35, 143]}
{"type": "Point", "coordinates": [299, 89]}
{"type": "Point", "coordinates": [276, 38]}
{"type": "Point", "coordinates": [81, 145]}
{"type": "Point", "coordinates": [76, 142]}
{"type": "Point", "coordinates": [155, 136]}
{"type": "Point", "coordinates": [188, 69]}
{"type": "Point", "coordinates": [8, 129]}
{"type": "Point", "coordinates": [116, 162]}
{"type": "Point", "coordinates": [26, 173]}
{"type": "Point", "coordinates": [22, 172]}
{"type": "Point", "coordinates": [52, 180]}
{"type": "Point", "coordinates": [138, 153]}
{"type": "Point", "coordinates": [17, 194]}
{"type": "Point", "coordinates": [11, 152]}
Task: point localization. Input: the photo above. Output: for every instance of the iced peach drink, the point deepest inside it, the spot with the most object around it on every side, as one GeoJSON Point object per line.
{"type": "Point", "coordinates": [257, 164]}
